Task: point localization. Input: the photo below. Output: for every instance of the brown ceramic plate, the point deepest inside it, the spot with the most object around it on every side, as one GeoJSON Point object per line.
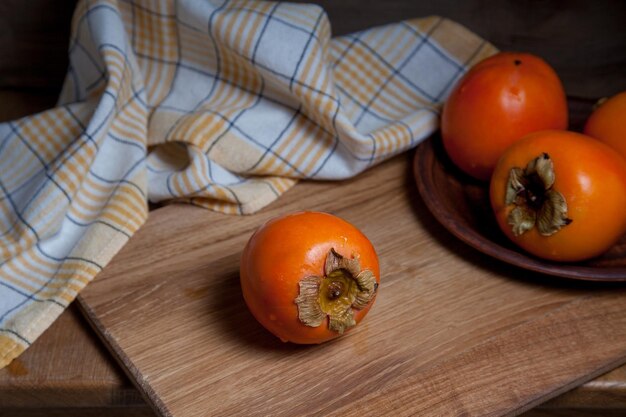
{"type": "Point", "coordinates": [461, 205]}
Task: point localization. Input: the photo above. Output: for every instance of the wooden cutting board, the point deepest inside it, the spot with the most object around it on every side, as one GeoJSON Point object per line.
{"type": "Point", "coordinates": [452, 331]}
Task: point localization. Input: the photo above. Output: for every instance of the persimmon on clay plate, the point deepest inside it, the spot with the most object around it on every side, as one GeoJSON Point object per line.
{"type": "Point", "coordinates": [461, 204]}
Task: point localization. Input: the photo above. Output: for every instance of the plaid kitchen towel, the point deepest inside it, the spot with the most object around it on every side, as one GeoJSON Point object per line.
{"type": "Point", "coordinates": [221, 104]}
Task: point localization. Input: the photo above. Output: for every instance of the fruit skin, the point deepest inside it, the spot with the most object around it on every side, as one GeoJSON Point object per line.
{"type": "Point", "coordinates": [282, 252]}
{"type": "Point", "coordinates": [607, 123]}
{"type": "Point", "coordinates": [501, 99]}
{"type": "Point", "coordinates": [591, 177]}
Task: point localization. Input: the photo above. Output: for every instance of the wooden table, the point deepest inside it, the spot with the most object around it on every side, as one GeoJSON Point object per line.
{"type": "Point", "coordinates": [68, 372]}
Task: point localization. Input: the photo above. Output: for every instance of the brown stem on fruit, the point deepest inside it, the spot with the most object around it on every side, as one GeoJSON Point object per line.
{"type": "Point", "coordinates": [343, 288]}
{"type": "Point", "coordinates": [335, 290]}
{"type": "Point", "coordinates": [537, 203]}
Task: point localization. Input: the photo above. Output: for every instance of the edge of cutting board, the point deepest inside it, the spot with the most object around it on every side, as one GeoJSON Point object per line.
{"type": "Point", "coordinates": [464, 361]}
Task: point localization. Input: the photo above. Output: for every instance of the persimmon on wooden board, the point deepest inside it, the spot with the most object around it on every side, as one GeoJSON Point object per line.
{"type": "Point", "coordinates": [309, 276]}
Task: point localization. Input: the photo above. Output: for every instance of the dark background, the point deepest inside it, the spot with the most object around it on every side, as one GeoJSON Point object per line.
{"type": "Point", "coordinates": [584, 40]}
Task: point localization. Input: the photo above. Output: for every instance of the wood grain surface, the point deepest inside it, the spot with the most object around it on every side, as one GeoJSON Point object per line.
{"type": "Point", "coordinates": [605, 392]}
{"type": "Point", "coordinates": [584, 42]}
{"type": "Point", "coordinates": [452, 332]}
{"type": "Point", "coordinates": [47, 381]}
{"type": "Point", "coordinates": [67, 367]}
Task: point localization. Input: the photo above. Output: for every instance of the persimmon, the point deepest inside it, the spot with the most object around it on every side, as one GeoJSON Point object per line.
{"type": "Point", "coordinates": [608, 123]}
{"type": "Point", "coordinates": [499, 100]}
{"type": "Point", "coordinates": [308, 277]}
{"type": "Point", "coordinates": [560, 195]}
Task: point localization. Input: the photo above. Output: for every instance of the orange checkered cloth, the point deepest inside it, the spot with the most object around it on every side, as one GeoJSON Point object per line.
{"type": "Point", "coordinates": [221, 104]}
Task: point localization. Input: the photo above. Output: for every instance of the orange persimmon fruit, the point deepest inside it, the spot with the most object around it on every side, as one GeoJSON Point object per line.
{"type": "Point", "coordinates": [499, 100]}
{"type": "Point", "coordinates": [608, 123]}
{"type": "Point", "coordinates": [308, 277]}
{"type": "Point", "coordinates": [560, 195]}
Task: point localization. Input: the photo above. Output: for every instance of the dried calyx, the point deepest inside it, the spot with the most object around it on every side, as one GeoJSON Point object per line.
{"type": "Point", "coordinates": [343, 287]}
{"type": "Point", "coordinates": [537, 203]}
